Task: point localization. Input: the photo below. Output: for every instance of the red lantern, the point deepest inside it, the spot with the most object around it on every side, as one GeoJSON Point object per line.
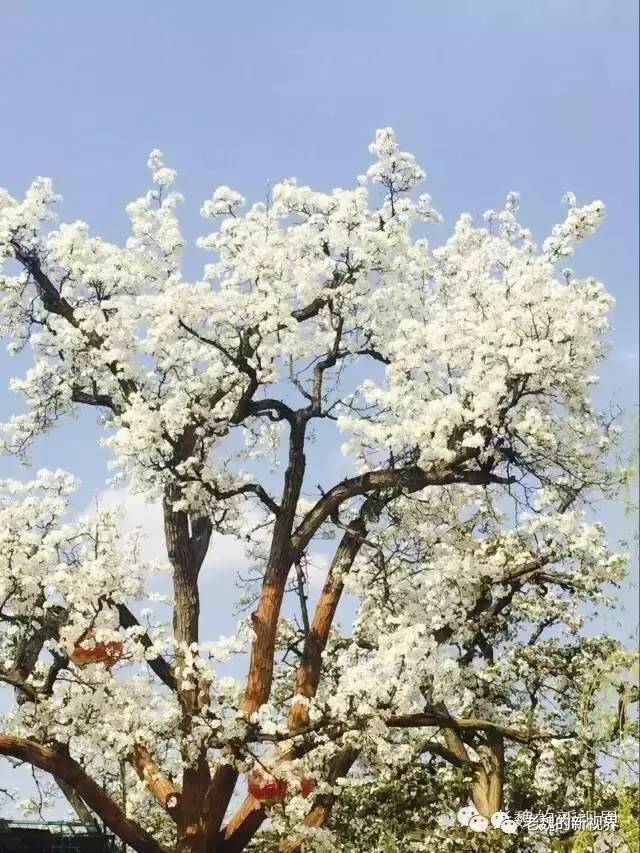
{"type": "Point", "coordinates": [88, 650]}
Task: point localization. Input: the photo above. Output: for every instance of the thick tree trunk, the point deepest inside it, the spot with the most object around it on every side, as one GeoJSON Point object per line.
{"type": "Point", "coordinates": [187, 540]}
{"type": "Point", "coordinates": [191, 839]}
{"type": "Point", "coordinates": [488, 785]}
{"type": "Point", "coordinates": [243, 826]}
{"type": "Point", "coordinates": [308, 673]}
{"type": "Point", "coordinates": [265, 623]}
{"type": "Point", "coordinates": [488, 782]}
{"type": "Point", "coordinates": [249, 817]}
{"type": "Point", "coordinates": [186, 611]}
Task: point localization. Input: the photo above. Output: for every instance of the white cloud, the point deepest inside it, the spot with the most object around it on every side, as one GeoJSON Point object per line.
{"type": "Point", "coordinates": [226, 559]}
{"type": "Point", "coordinates": [226, 553]}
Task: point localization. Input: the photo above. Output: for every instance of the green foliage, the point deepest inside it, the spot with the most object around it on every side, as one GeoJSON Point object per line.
{"type": "Point", "coordinates": [629, 816]}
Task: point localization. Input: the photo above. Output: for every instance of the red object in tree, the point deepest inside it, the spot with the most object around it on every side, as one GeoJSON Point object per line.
{"type": "Point", "coordinates": [88, 650]}
{"type": "Point", "coordinates": [307, 785]}
{"type": "Point", "coordinates": [267, 788]}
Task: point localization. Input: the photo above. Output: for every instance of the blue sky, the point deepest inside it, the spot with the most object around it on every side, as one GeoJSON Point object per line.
{"type": "Point", "coordinates": [495, 96]}
{"type": "Point", "coordinates": [538, 97]}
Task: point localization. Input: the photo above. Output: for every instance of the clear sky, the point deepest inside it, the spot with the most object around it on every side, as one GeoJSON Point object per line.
{"type": "Point", "coordinates": [506, 94]}
{"type": "Point", "coordinates": [539, 97]}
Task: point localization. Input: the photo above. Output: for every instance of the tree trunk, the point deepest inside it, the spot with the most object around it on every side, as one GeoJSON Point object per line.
{"type": "Point", "coordinates": [281, 558]}
{"type": "Point", "coordinates": [488, 785]}
{"type": "Point", "coordinates": [186, 611]}
{"type": "Point", "coordinates": [187, 540]}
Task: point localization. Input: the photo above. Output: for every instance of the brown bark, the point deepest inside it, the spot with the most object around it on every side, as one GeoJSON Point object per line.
{"type": "Point", "coordinates": [149, 773]}
{"type": "Point", "coordinates": [217, 799]}
{"type": "Point", "coordinates": [243, 826]}
{"type": "Point", "coordinates": [54, 760]}
{"type": "Point", "coordinates": [191, 814]}
{"type": "Point", "coordinates": [456, 746]}
{"type": "Point", "coordinates": [488, 784]}
{"type": "Point", "coordinates": [281, 558]}
{"type": "Point", "coordinates": [250, 815]}
{"type": "Point", "coordinates": [436, 718]}
{"type": "Point", "coordinates": [31, 645]}
{"type": "Point", "coordinates": [77, 804]}
{"type": "Point", "coordinates": [186, 611]}
{"type": "Point", "coordinates": [265, 619]}
{"type": "Point", "coordinates": [308, 672]}
{"type": "Point", "coordinates": [187, 539]}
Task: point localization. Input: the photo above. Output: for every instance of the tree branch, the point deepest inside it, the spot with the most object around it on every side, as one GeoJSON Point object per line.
{"type": "Point", "coordinates": [440, 720]}
{"type": "Point", "coordinates": [410, 479]}
{"type": "Point", "coordinates": [158, 664]}
{"type": "Point", "coordinates": [149, 773]}
{"type": "Point", "coordinates": [53, 760]}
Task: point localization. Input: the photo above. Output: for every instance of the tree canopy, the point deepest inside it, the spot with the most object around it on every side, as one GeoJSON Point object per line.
{"type": "Point", "coordinates": [450, 389]}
